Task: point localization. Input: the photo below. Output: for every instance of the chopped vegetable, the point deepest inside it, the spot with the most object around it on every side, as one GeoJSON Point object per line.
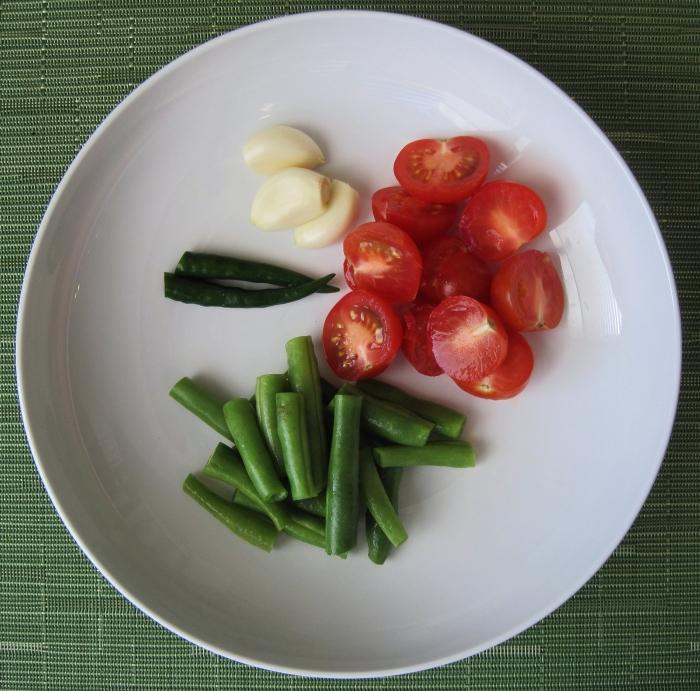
{"type": "Point", "coordinates": [200, 402]}
{"type": "Point", "coordinates": [378, 544]}
{"type": "Point", "coordinates": [267, 386]}
{"type": "Point", "coordinates": [294, 441]}
{"type": "Point", "coordinates": [454, 454]}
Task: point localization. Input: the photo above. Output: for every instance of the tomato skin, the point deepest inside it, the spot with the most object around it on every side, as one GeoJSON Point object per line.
{"type": "Point", "coordinates": [416, 345]}
{"type": "Point", "coordinates": [527, 292]}
{"type": "Point", "coordinates": [500, 218]}
{"type": "Point", "coordinates": [469, 339]}
{"type": "Point", "coordinates": [422, 220]}
{"type": "Point", "coordinates": [383, 259]}
{"type": "Point", "coordinates": [362, 335]}
{"type": "Point", "coordinates": [450, 269]}
{"type": "Point", "coordinates": [510, 377]}
{"type": "Point", "coordinates": [442, 170]}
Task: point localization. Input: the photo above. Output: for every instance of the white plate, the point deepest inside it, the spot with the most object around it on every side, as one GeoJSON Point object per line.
{"type": "Point", "coordinates": [563, 469]}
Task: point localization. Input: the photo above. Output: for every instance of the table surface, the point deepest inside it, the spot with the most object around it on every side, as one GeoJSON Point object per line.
{"type": "Point", "coordinates": [633, 66]}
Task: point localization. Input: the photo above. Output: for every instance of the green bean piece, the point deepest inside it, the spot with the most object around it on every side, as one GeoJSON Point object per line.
{"type": "Point", "coordinates": [342, 494]}
{"type": "Point", "coordinates": [267, 386]}
{"type": "Point", "coordinates": [200, 402]}
{"type": "Point", "coordinates": [294, 440]}
{"type": "Point", "coordinates": [305, 379]}
{"type": "Point", "coordinates": [216, 266]}
{"type": "Point", "coordinates": [454, 454]}
{"type": "Point", "coordinates": [390, 421]}
{"type": "Point", "coordinates": [243, 425]}
{"type": "Point", "coordinates": [314, 505]}
{"type": "Point", "coordinates": [378, 545]}
{"type": "Point", "coordinates": [377, 500]}
{"type": "Point", "coordinates": [448, 422]}
{"type": "Point", "coordinates": [197, 292]}
{"type": "Point", "coordinates": [255, 529]}
{"type": "Point", "coordinates": [225, 464]}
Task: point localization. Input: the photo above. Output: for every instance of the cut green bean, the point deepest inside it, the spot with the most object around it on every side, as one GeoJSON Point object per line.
{"type": "Point", "coordinates": [253, 528]}
{"type": "Point", "coordinates": [342, 493]}
{"type": "Point", "coordinates": [305, 379]}
{"type": "Point", "coordinates": [294, 442]}
{"type": "Point", "coordinates": [314, 505]}
{"type": "Point", "coordinates": [448, 422]}
{"type": "Point", "coordinates": [267, 386]}
{"type": "Point", "coordinates": [216, 266]}
{"type": "Point", "coordinates": [378, 545]}
{"type": "Point", "coordinates": [194, 291]}
{"type": "Point", "coordinates": [200, 402]}
{"type": "Point", "coordinates": [243, 425]}
{"type": "Point", "coordinates": [226, 465]}
{"type": "Point", "coordinates": [390, 421]}
{"type": "Point", "coordinates": [454, 454]}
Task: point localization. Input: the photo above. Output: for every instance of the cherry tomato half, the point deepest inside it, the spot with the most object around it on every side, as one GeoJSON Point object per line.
{"type": "Point", "coordinates": [500, 218]}
{"type": "Point", "coordinates": [449, 268]}
{"type": "Point", "coordinates": [382, 258]}
{"type": "Point", "coordinates": [510, 377]}
{"type": "Point", "coordinates": [423, 221]}
{"type": "Point", "coordinates": [417, 346]}
{"type": "Point", "coordinates": [469, 339]}
{"type": "Point", "coordinates": [527, 293]}
{"type": "Point", "coordinates": [361, 335]}
{"type": "Point", "coordinates": [442, 170]}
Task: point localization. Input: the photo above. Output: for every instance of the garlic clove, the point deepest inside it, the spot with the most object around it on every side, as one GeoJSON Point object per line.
{"type": "Point", "coordinates": [277, 147]}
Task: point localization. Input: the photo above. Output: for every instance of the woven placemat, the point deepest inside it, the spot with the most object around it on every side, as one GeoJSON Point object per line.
{"type": "Point", "coordinates": [633, 66]}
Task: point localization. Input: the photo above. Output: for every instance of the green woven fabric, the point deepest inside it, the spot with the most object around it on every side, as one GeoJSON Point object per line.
{"type": "Point", "coordinates": [634, 66]}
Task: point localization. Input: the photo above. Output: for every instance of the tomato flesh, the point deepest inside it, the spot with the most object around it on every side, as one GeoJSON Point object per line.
{"type": "Point", "coordinates": [382, 258]}
{"type": "Point", "coordinates": [442, 170]}
{"type": "Point", "coordinates": [510, 377]}
{"type": "Point", "coordinates": [450, 269]}
{"type": "Point", "coordinates": [416, 345]}
{"type": "Point", "coordinates": [468, 338]}
{"type": "Point", "coordinates": [500, 218]}
{"type": "Point", "coordinates": [362, 335]}
{"type": "Point", "coordinates": [527, 292]}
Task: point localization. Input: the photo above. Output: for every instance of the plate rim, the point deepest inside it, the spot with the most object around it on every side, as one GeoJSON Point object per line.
{"type": "Point", "coordinates": [40, 238]}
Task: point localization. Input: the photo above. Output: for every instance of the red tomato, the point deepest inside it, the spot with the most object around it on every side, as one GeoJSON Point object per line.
{"type": "Point", "coordinates": [510, 377]}
{"type": "Point", "coordinates": [361, 335]}
{"type": "Point", "coordinates": [500, 218]}
{"type": "Point", "coordinates": [382, 258]}
{"type": "Point", "coordinates": [423, 221]}
{"type": "Point", "coordinates": [416, 345]}
{"type": "Point", "coordinates": [442, 170]}
{"type": "Point", "coordinates": [468, 337]}
{"type": "Point", "coordinates": [527, 292]}
{"type": "Point", "coordinates": [450, 269]}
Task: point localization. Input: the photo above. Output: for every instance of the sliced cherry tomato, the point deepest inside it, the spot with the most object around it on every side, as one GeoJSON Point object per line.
{"type": "Point", "coordinates": [417, 346]}
{"type": "Point", "coordinates": [469, 339]}
{"type": "Point", "coordinates": [423, 221]}
{"type": "Point", "coordinates": [382, 258]}
{"type": "Point", "coordinates": [449, 268]}
{"type": "Point", "coordinates": [442, 170]}
{"type": "Point", "coordinates": [361, 335]}
{"type": "Point", "coordinates": [510, 377]}
{"type": "Point", "coordinates": [500, 218]}
{"type": "Point", "coordinates": [527, 292]}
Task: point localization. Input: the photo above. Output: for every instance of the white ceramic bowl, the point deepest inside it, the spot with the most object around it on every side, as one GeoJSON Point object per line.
{"type": "Point", "coordinates": [563, 469]}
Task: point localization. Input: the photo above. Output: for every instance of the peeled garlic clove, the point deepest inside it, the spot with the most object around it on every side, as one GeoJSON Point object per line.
{"type": "Point", "coordinates": [334, 222]}
{"type": "Point", "coordinates": [279, 146]}
{"type": "Point", "coordinates": [289, 198]}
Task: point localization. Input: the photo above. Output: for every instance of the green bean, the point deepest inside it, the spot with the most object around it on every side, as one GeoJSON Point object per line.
{"type": "Point", "coordinates": [217, 266]}
{"type": "Point", "coordinates": [243, 425]}
{"type": "Point", "coordinates": [294, 442]}
{"type": "Point", "coordinates": [455, 454]}
{"type": "Point", "coordinates": [305, 379]}
{"type": "Point", "coordinates": [225, 465]}
{"type": "Point", "coordinates": [378, 545]}
{"type": "Point", "coordinates": [448, 422]}
{"type": "Point", "coordinates": [267, 386]}
{"type": "Point", "coordinates": [390, 421]}
{"type": "Point", "coordinates": [343, 475]}
{"type": "Point", "coordinates": [200, 402]}
{"type": "Point", "coordinates": [194, 291]}
{"type": "Point", "coordinates": [314, 505]}
{"type": "Point", "coordinates": [255, 529]}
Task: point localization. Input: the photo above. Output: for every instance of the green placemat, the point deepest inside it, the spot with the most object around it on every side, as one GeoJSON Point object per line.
{"type": "Point", "coordinates": [635, 68]}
